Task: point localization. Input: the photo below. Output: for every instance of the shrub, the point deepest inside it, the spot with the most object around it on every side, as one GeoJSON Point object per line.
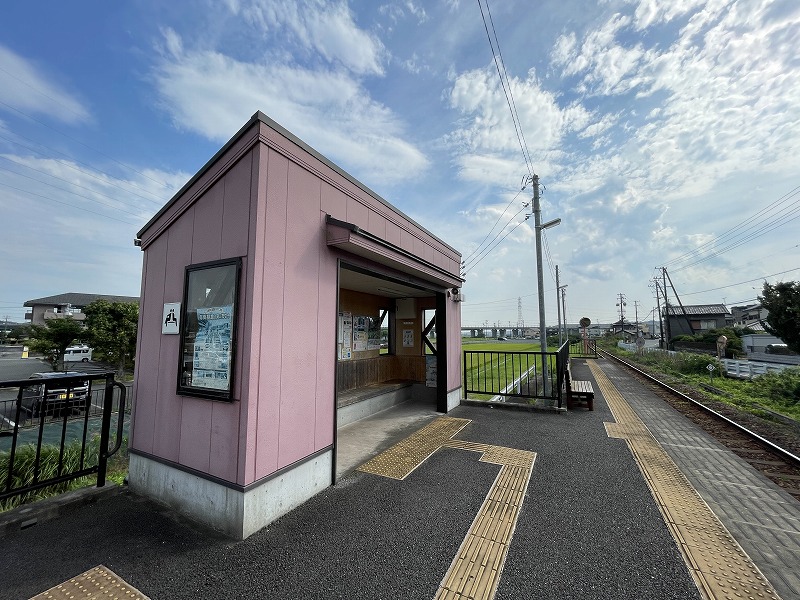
{"type": "Point", "coordinates": [25, 460]}
{"type": "Point", "coordinates": [782, 388]}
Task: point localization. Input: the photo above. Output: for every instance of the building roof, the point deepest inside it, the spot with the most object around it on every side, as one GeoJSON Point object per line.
{"type": "Point", "coordinates": [78, 299]}
{"type": "Point", "coordinates": [699, 309]}
{"type": "Point", "coordinates": [260, 117]}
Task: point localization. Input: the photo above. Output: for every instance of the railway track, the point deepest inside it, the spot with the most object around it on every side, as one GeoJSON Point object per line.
{"type": "Point", "coordinates": [772, 448]}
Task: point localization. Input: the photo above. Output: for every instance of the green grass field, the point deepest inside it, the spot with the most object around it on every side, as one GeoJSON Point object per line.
{"type": "Point", "coordinates": [493, 372]}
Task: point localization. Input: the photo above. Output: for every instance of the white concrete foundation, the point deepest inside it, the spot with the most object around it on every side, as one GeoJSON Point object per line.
{"type": "Point", "coordinates": [453, 399]}
{"type": "Point", "coordinates": [233, 512]}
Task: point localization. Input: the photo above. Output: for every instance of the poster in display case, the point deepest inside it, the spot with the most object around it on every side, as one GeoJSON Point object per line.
{"type": "Point", "coordinates": [208, 329]}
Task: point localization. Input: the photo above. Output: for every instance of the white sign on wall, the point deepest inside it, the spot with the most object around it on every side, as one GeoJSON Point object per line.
{"type": "Point", "coordinates": [171, 320]}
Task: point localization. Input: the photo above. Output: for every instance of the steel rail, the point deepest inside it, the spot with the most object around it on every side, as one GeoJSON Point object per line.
{"type": "Point", "coordinates": [783, 453]}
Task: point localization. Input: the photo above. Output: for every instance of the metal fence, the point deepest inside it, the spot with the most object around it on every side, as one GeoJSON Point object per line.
{"type": "Point", "coordinates": [584, 349]}
{"type": "Point", "coordinates": [58, 429]}
{"type": "Point", "coordinates": [516, 377]}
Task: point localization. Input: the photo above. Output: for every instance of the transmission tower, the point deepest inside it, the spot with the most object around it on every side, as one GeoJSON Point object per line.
{"type": "Point", "coordinates": [520, 320]}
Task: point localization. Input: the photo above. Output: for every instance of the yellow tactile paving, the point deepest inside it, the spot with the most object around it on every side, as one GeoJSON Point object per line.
{"type": "Point", "coordinates": [97, 583]}
{"type": "Point", "coordinates": [476, 568]}
{"type": "Point", "coordinates": [720, 567]}
{"type": "Point", "coordinates": [401, 459]}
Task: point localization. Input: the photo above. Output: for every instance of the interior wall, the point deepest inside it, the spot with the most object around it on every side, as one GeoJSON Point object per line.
{"type": "Point", "coordinates": [363, 305]}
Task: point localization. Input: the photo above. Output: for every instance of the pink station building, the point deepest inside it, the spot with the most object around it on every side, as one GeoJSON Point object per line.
{"type": "Point", "coordinates": [281, 300]}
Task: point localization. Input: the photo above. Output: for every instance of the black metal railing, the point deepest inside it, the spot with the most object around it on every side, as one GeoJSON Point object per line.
{"type": "Point", "coordinates": [515, 377]}
{"type": "Point", "coordinates": [583, 349]}
{"type": "Point", "coordinates": [58, 429]}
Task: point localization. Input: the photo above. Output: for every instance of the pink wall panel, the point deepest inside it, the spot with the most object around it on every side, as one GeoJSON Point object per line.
{"type": "Point", "coordinates": [406, 240]}
{"type": "Point", "coordinates": [393, 235]}
{"type": "Point", "coordinates": [224, 442]}
{"type": "Point", "coordinates": [326, 346]}
{"type": "Point", "coordinates": [207, 239]}
{"type": "Point", "coordinates": [333, 202]}
{"type": "Point", "coordinates": [196, 434]}
{"type": "Point", "coordinates": [270, 307]}
{"type": "Point", "coordinates": [147, 359]}
{"type": "Point", "coordinates": [454, 375]}
{"type": "Point", "coordinates": [377, 224]}
{"type": "Point", "coordinates": [247, 371]}
{"type": "Point", "coordinates": [357, 213]}
{"type": "Point", "coordinates": [419, 246]}
{"type": "Point", "coordinates": [236, 211]}
{"type": "Point", "coordinates": [429, 253]}
{"type": "Point", "coordinates": [300, 314]}
{"type": "Point", "coordinates": [168, 407]}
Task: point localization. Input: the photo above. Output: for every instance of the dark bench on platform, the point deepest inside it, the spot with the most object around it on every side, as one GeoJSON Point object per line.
{"type": "Point", "coordinates": [578, 391]}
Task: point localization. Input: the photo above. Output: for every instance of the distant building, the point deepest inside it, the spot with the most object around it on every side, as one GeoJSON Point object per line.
{"type": "Point", "coordinates": [70, 304]}
{"type": "Point", "coordinates": [696, 319]}
{"type": "Point", "coordinates": [749, 316]}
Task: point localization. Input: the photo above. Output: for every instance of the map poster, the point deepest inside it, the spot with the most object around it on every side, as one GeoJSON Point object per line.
{"type": "Point", "coordinates": [360, 333]}
{"type": "Point", "coordinates": [345, 341]}
{"type": "Point", "coordinates": [212, 348]}
{"type": "Point", "coordinates": [431, 367]}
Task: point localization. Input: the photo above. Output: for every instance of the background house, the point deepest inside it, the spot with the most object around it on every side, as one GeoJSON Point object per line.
{"type": "Point", "coordinates": [70, 304]}
{"type": "Point", "coordinates": [749, 316]}
{"type": "Point", "coordinates": [696, 319]}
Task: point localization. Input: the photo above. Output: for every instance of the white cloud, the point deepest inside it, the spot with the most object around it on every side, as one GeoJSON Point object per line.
{"type": "Point", "coordinates": [486, 143]}
{"type": "Point", "coordinates": [71, 228]}
{"type": "Point", "coordinates": [325, 28]}
{"type": "Point", "coordinates": [29, 89]}
{"type": "Point", "coordinates": [213, 94]}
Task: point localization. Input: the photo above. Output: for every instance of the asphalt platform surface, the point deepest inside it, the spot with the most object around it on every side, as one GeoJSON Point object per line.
{"type": "Point", "coordinates": [588, 528]}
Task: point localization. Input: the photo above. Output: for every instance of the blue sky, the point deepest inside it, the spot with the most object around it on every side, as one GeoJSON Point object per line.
{"type": "Point", "coordinates": [665, 133]}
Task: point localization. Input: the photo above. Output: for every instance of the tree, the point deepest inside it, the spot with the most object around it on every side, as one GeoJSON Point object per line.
{"type": "Point", "coordinates": [54, 337]}
{"type": "Point", "coordinates": [112, 328]}
{"type": "Point", "coordinates": [782, 300]}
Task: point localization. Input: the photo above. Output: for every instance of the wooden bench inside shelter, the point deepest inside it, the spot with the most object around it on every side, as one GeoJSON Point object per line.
{"type": "Point", "coordinates": [578, 391]}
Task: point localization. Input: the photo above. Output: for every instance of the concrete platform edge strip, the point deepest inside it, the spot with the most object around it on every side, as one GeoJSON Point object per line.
{"type": "Point", "coordinates": [719, 566]}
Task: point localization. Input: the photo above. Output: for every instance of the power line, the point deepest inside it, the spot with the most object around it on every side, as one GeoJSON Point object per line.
{"type": "Point", "coordinates": [496, 222]}
{"type": "Point", "coordinates": [506, 85]}
{"type": "Point", "coordinates": [69, 137]}
{"type": "Point", "coordinates": [38, 91]}
{"type": "Point", "coordinates": [755, 226]}
{"type": "Point", "coordinates": [65, 203]}
{"type": "Point", "coordinates": [68, 191]}
{"type": "Point", "coordinates": [69, 163]}
{"type": "Point", "coordinates": [489, 249]}
{"type": "Point", "coordinates": [77, 185]}
{"type": "Point", "coordinates": [742, 282]}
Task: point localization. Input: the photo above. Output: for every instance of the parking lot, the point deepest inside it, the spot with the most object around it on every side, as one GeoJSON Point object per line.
{"type": "Point", "coordinates": [18, 369]}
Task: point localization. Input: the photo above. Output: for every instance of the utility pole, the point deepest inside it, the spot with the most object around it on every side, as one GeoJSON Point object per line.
{"type": "Point", "coordinates": [539, 226]}
{"type": "Point", "coordinates": [636, 310]}
{"type": "Point", "coordinates": [666, 307]}
{"type": "Point", "coordinates": [537, 220]}
{"type": "Point", "coordinates": [558, 306]}
{"type": "Point", "coordinates": [621, 304]}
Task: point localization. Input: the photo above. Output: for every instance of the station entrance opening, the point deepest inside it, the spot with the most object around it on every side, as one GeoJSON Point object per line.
{"type": "Point", "coordinates": [388, 356]}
